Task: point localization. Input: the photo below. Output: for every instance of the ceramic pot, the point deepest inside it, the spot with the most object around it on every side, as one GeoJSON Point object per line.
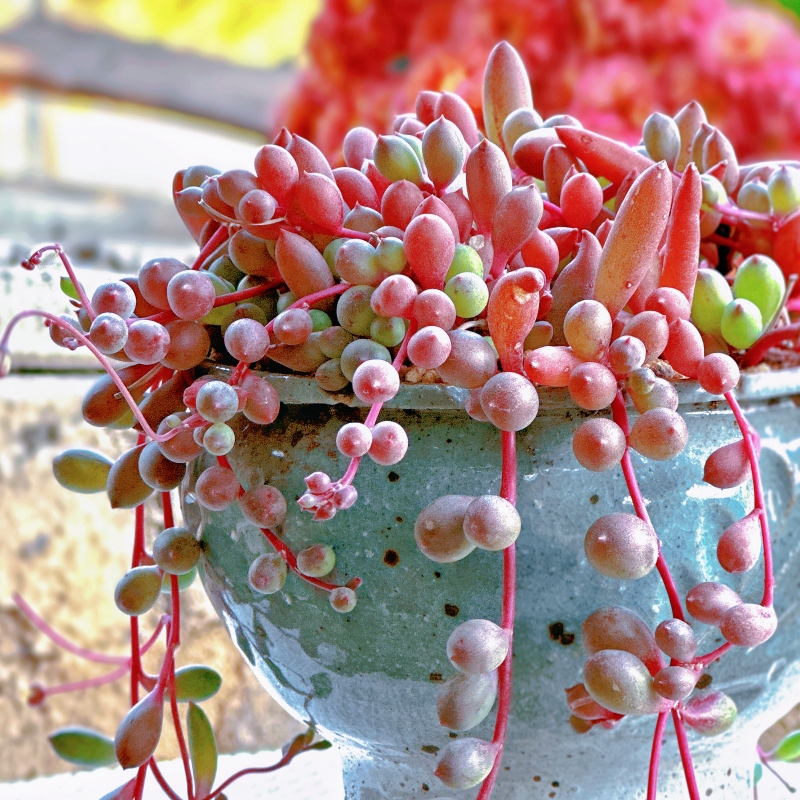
{"type": "Point", "coordinates": [368, 679]}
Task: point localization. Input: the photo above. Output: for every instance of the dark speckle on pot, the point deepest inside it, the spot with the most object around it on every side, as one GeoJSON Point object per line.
{"type": "Point", "coordinates": [391, 558]}
{"type": "Point", "coordinates": [451, 610]}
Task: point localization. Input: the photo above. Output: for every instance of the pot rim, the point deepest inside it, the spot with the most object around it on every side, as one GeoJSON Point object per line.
{"type": "Point", "coordinates": [757, 384]}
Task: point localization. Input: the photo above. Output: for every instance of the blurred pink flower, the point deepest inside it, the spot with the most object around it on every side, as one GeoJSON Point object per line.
{"type": "Point", "coordinates": [608, 62]}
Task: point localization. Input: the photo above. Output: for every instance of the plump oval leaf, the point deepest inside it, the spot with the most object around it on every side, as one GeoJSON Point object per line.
{"type": "Point", "coordinates": [83, 746]}
{"type": "Point", "coordinates": [68, 287]}
{"type": "Point", "coordinates": [789, 748]}
{"type": "Point", "coordinates": [196, 683]}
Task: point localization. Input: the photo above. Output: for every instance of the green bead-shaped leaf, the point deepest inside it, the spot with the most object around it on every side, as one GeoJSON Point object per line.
{"type": "Point", "coordinates": [202, 749]}
{"type": "Point", "coordinates": [789, 748]}
{"type": "Point", "coordinates": [83, 746]}
{"type": "Point", "coordinates": [138, 590]}
{"type": "Point", "coordinates": [82, 471]}
{"type": "Point", "coordinates": [196, 683]}
{"type": "Point", "coordinates": [124, 792]}
{"type": "Point", "coordinates": [184, 581]}
{"type": "Point", "coordinates": [758, 773]}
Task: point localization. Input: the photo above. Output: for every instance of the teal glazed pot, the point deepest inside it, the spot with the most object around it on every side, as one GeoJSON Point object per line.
{"type": "Point", "coordinates": [368, 680]}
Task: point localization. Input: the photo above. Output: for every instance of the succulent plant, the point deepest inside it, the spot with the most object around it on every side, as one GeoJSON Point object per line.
{"type": "Point", "coordinates": [539, 254]}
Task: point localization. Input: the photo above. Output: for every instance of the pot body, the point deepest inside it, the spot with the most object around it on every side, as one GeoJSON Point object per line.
{"type": "Point", "coordinates": [368, 679]}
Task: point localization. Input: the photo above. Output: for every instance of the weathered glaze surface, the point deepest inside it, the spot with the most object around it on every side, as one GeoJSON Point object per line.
{"type": "Point", "coordinates": [369, 679]}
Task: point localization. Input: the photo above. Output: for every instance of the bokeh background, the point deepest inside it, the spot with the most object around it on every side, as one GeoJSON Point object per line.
{"type": "Point", "coordinates": [102, 101]}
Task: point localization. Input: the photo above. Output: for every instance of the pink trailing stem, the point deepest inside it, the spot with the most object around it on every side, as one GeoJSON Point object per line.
{"type": "Point", "coordinates": [286, 552]}
{"type": "Point", "coordinates": [105, 363]}
{"type": "Point", "coordinates": [765, 759]}
{"type": "Point", "coordinates": [508, 491]}
{"type": "Point", "coordinates": [735, 214]}
{"type": "Point", "coordinates": [125, 665]}
{"type": "Point", "coordinates": [375, 409]}
{"type": "Point", "coordinates": [620, 415]}
{"type": "Point", "coordinates": [163, 317]}
{"type": "Point", "coordinates": [709, 658]}
{"type": "Point", "coordinates": [758, 492]}
{"type": "Point", "coordinates": [36, 259]}
{"type": "Point", "coordinates": [286, 759]}
{"type": "Point", "coordinates": [87, 683]}
{"type": "Point", "coordinates": [219, 236]}
{"type": "Point", "coordinates": [61, 641]}
{"type": "Point", "coordinates": [773, 339]}
{"type": "Point", "coordinates": [289, 557]}
{"type": "Point", "coordinates": [686, 756]}
{"type": "Point", "coordinates": [310, 299]}
{"type": "Point", "coordinates": [655, 755]}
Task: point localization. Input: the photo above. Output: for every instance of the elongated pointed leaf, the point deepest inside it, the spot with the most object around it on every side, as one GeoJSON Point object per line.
{"type": "Point", "coordinates": [202, 749]}
{"type": "Point", "coordinates": [83, 746]}
{"type": "Point", "coordinates": [634, 239]}
{"type": "Point", "coordinates": [789, 748]}
{"type": "Point", "coordinates": [506, 88]}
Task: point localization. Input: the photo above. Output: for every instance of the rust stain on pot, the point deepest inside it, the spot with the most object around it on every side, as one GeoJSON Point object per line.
{"type": "Point", "coordinates": [451, 610]}
{"type": "Point", "coordinates": [430, 748]}
{"type": "Point", "coordinates": [436, 677]}
{"type": "Point", "coordinates": [391, 558]}
{"type": "Point", "coordinates": [558, 634]}
{"type": "Point", "coordinates": [704, 681]}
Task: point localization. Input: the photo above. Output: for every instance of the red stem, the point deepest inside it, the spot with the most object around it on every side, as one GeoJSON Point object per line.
{"type": "Point", "coordinates": [162, 780]}
{"type": "Point", "coordinates": [138, 789]}
{"type": "Point", "coordinates": [291, 561]}
{"type": "Point", "coordinates": [508, 490]}
{"type": "Point", "coordinates": [176, 717]}
{"type": "Point", "coordinates": [138, 531]}
{"type": "Point", "coordinates": [217, 238]}
{"type": "Point", "coordinates": [375, 410]}
{"type": "Point", "coordinates": [310, 299]}
{"type": "Point", "coordinates": [708, 658]}
{"type": "Point", "coordinates": [257, 771]}
{"type": "Point", "coordinates": [754, 355]}
{"type": "Point", "coordinates": [163, 317]}
{"type": "Point", "coordinates": [655, 755]}
{"type": "Point", "coordinates": [281, 547]}
{"type": "Point", "coordinates": [620, 414]}
{"type": "Point", "coordinates": [758, 492]}
{"type": "Point", "coordinates": [686, 756]}
{"type": "Point", "coordinates": [554, 210]}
